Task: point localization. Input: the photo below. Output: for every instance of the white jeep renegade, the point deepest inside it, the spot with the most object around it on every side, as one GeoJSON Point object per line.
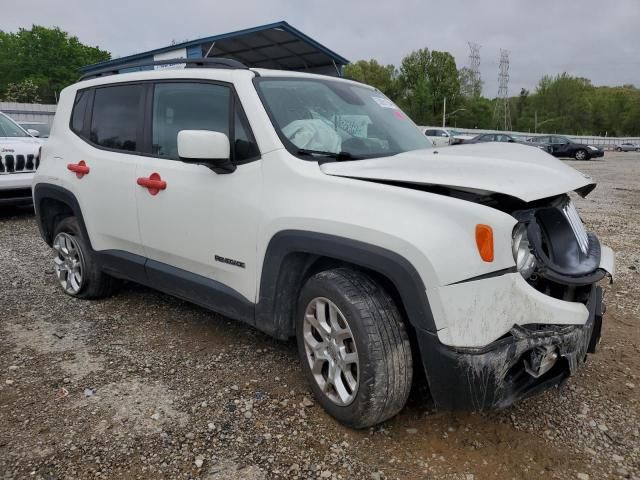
{"type": "Point", "coordinates": [311, 206]}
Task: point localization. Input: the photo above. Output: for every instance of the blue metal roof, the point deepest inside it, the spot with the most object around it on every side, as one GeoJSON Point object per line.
{"type": "Point", "coordinates": [276, 45]}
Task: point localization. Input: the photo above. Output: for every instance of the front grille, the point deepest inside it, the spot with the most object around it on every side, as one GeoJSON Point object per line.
{"type": "Point", "coordinates": [571, 214]}
{"type": "Point", "coordinates": [18, 163]}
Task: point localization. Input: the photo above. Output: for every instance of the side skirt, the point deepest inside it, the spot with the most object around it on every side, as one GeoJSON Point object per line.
{"type": "Point", "coordinates": [179, 283]}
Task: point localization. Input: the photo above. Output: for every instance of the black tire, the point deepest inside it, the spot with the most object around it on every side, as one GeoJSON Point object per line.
{"type": "Point", "coordinates": [385, 364]}
{"type": "Point", "coordinates": [581, 154]}
{"type": "Point", "coordinates": [618, 149]}
{"type": "Point", "coordinates": [95, 283]}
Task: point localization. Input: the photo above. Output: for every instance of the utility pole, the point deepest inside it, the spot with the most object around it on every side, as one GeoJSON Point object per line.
{"type": "Point", "coordinates": [501, 114]}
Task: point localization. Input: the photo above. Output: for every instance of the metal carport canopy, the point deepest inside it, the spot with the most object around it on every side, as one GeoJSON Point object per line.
{"type": "Point", "coordinates": [276, 45]}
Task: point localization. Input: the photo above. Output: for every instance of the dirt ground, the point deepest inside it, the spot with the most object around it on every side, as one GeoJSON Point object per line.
{"type": "Point", "coordinates": [142, 385]}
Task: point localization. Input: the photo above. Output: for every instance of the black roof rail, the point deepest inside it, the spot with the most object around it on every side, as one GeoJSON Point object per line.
{"type": "Point", "coordinates": [216, 62]}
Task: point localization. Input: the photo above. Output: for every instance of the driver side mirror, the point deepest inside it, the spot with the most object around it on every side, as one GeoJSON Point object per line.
{"type": "Point", "coordinates": [205, 147]}
{"type": "Point", "coordinates": [33, 132]}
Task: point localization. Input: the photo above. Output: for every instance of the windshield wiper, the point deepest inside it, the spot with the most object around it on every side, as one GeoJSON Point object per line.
{"type": "Point", "coordinates": [339, 156]}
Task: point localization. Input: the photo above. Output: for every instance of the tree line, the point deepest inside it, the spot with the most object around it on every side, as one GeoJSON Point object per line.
{"type": "Point", "coordinates": [562, 103]}
{"type": "Point", "coordinates": [36, 63]}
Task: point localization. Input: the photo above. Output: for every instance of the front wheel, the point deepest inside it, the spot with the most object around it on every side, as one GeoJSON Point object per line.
{"type": "Point", "coordinates": [354, 347]}
{"type": "Point", "coordinates": [581, 155]}
{"type": "Point", "coordinates": [618, 149]}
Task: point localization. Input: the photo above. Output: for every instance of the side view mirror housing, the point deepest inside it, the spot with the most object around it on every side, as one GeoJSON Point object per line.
{"type": "Point", "coordinates": [205, 147]}
{"type": "Point", "coordinates": [33, 132]}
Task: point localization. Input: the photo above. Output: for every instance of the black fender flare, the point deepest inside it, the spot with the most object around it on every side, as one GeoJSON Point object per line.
{"type": "Point", "coordinates": [45, 191]}
{"type": "Point", "coordinates": [276, 273]}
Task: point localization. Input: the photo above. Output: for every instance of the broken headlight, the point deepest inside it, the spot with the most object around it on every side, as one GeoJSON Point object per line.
{"type": "Point", "coordinates": [525, 260]}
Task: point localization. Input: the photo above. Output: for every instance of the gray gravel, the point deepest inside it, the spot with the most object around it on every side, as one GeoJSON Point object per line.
{"type": "Point", "coordinates": [142, 385]}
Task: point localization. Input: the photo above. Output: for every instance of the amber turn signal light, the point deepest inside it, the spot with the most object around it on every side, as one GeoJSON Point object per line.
{"type": "Point", "coordinates": [484, 242]}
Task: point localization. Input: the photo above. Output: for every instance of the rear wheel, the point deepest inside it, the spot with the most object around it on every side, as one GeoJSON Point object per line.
{"type": "Point", "coordinates": [581, 154]}
{"type": "Point", "coordinates": [75, 265]}
{"type": "Point", "coordinates": [354, 347]}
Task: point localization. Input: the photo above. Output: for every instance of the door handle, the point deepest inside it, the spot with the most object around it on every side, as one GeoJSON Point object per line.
{"type": "Point", "coordinates": [80, 169]}
{"type": "Point", "coordinates": [154, 183]}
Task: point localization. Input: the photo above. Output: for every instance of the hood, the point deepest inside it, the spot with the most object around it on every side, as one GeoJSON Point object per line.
{"type": "Point", "coordinates": [19, 145]}
{"type": "Point", "coordinates": [520, 171]}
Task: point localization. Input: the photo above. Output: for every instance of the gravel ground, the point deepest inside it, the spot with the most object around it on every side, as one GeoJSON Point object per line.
{"type": "Point", "coordinates": [142, 385]}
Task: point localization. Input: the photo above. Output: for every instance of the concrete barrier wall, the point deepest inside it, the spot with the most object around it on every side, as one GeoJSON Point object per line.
{"type": "Point", "coordinates": [29, 112]}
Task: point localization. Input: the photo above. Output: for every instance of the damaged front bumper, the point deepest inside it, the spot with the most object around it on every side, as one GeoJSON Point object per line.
{"type": "Point", "coordinates": [513, 367]}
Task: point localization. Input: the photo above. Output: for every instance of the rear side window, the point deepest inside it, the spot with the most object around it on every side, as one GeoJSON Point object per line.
{"type": "Point", "coordinates": [79, 109]}
{"type": "Point", "coordinates": [116, 117]}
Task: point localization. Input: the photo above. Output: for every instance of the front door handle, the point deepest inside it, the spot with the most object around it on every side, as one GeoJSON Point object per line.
{"type": "Point", "coordinates": [80, 169]}
{"type": "Point", "coordinates": [154, 183]}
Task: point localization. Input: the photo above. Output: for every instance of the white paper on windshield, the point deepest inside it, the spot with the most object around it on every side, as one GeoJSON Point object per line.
{"type": "Point", "coordinates": [384, 102]}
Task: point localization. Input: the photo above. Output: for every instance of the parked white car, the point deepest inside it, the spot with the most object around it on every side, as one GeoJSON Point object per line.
{"type": "Point", "coordinates": [312, 207]}
{"type": "Point", "coordinates": [18, 161]}
{"type": "Point", "coordinates": [440, 137]}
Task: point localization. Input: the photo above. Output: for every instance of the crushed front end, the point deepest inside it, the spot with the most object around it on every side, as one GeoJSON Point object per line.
{"type": "Point", "coordinates": [550, 306]}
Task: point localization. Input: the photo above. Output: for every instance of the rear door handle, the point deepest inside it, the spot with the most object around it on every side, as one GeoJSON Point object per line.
{"type": "Point", "coordinates": [154, 183]}
{"type": "Point", "coordinates": [80, 169]}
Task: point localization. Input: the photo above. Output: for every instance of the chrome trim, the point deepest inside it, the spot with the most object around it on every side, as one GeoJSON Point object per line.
{"type": "Point", "coordinates": [571, 214]}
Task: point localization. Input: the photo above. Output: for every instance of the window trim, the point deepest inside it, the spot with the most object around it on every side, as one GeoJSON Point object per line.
{"type": "Point", "coordinates": [144, 131]}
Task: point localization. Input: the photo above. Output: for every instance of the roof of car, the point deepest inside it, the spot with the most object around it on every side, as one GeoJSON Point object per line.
{"type": "Point", "coordinates": [220, 74]}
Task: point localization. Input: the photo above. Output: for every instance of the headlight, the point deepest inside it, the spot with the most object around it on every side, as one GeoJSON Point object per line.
{"type": "Point", "coordinates": [525, 260]}
{"type": "Point", "coordinates": [592, 148]}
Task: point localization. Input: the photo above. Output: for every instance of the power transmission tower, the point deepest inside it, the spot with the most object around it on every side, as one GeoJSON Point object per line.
{"type": "Point", "coordinates": [501, 114]}
{"type": "Point", "coordinates": [474, 68]}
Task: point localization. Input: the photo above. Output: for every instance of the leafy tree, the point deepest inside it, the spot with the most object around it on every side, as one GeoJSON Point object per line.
{"type": "Point", "coordinates": [48, 57]}
{"type": "Point", "coordinates": [415, 96]}
{"type": "Point", "coordinates": [384, 78]}
{"type": "Point", "coordinates": [23, 92]}
{"type": "Point", "coordinates": [443, 81]}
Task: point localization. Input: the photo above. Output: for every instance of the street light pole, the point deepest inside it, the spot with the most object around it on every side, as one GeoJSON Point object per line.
{"type": "Point", "coordinates": [444, 112]}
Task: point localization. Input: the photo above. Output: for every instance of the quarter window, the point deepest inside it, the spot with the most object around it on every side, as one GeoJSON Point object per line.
{"type": "Point", "coordinates": [116, 117]}
{"type": "Point", "coordinates": [79, 108]}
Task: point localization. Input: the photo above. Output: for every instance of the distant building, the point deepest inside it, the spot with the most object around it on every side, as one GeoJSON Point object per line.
{"type": "Point", "coordinates": [277, 45]}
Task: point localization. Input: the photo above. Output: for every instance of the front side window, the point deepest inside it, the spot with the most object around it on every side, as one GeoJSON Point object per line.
{"type": "Point", "coordinates": [187, 106]}
{"type": "Point", "coordinates": [8, 128]}
{"type": "Point", "coordinates": [198, 106]}
{"type": "Point", "coordinates": [331, 117]}
{"type": "Point", "coordinates": [116, 117]}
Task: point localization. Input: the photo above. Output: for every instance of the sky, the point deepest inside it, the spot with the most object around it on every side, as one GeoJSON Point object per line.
{"type": "Point", "coordinates": [589, 38]}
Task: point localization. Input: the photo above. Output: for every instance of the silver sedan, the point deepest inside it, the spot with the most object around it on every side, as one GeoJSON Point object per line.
{"type": "Point", "coordinates": [628, 147]}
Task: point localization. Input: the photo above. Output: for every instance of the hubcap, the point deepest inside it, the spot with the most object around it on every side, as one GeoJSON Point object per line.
{"type": "Point", "coordinates": [331, 351]}
{"type": "Point", "coordinates": [580, 155]}
{"type": "Point", "coordinates": [69, 263]}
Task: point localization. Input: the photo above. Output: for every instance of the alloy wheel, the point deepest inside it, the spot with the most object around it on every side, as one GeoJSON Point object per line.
{"type": "Point", "coordinates": [68, 263]}
{"type": "Point", "coordinates": [331, 351]}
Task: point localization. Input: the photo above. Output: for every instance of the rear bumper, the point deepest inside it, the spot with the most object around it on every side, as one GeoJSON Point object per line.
{"type": "Point", "coordinates": [495, 376]}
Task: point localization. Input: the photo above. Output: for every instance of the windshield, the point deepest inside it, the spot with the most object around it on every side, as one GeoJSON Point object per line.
{"type": "Point", "coordinates": [329, 117]}
{"type": "Point", "coordinates": [9, 129]}
{"type": "Point", "coordinates": [42, 128]}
